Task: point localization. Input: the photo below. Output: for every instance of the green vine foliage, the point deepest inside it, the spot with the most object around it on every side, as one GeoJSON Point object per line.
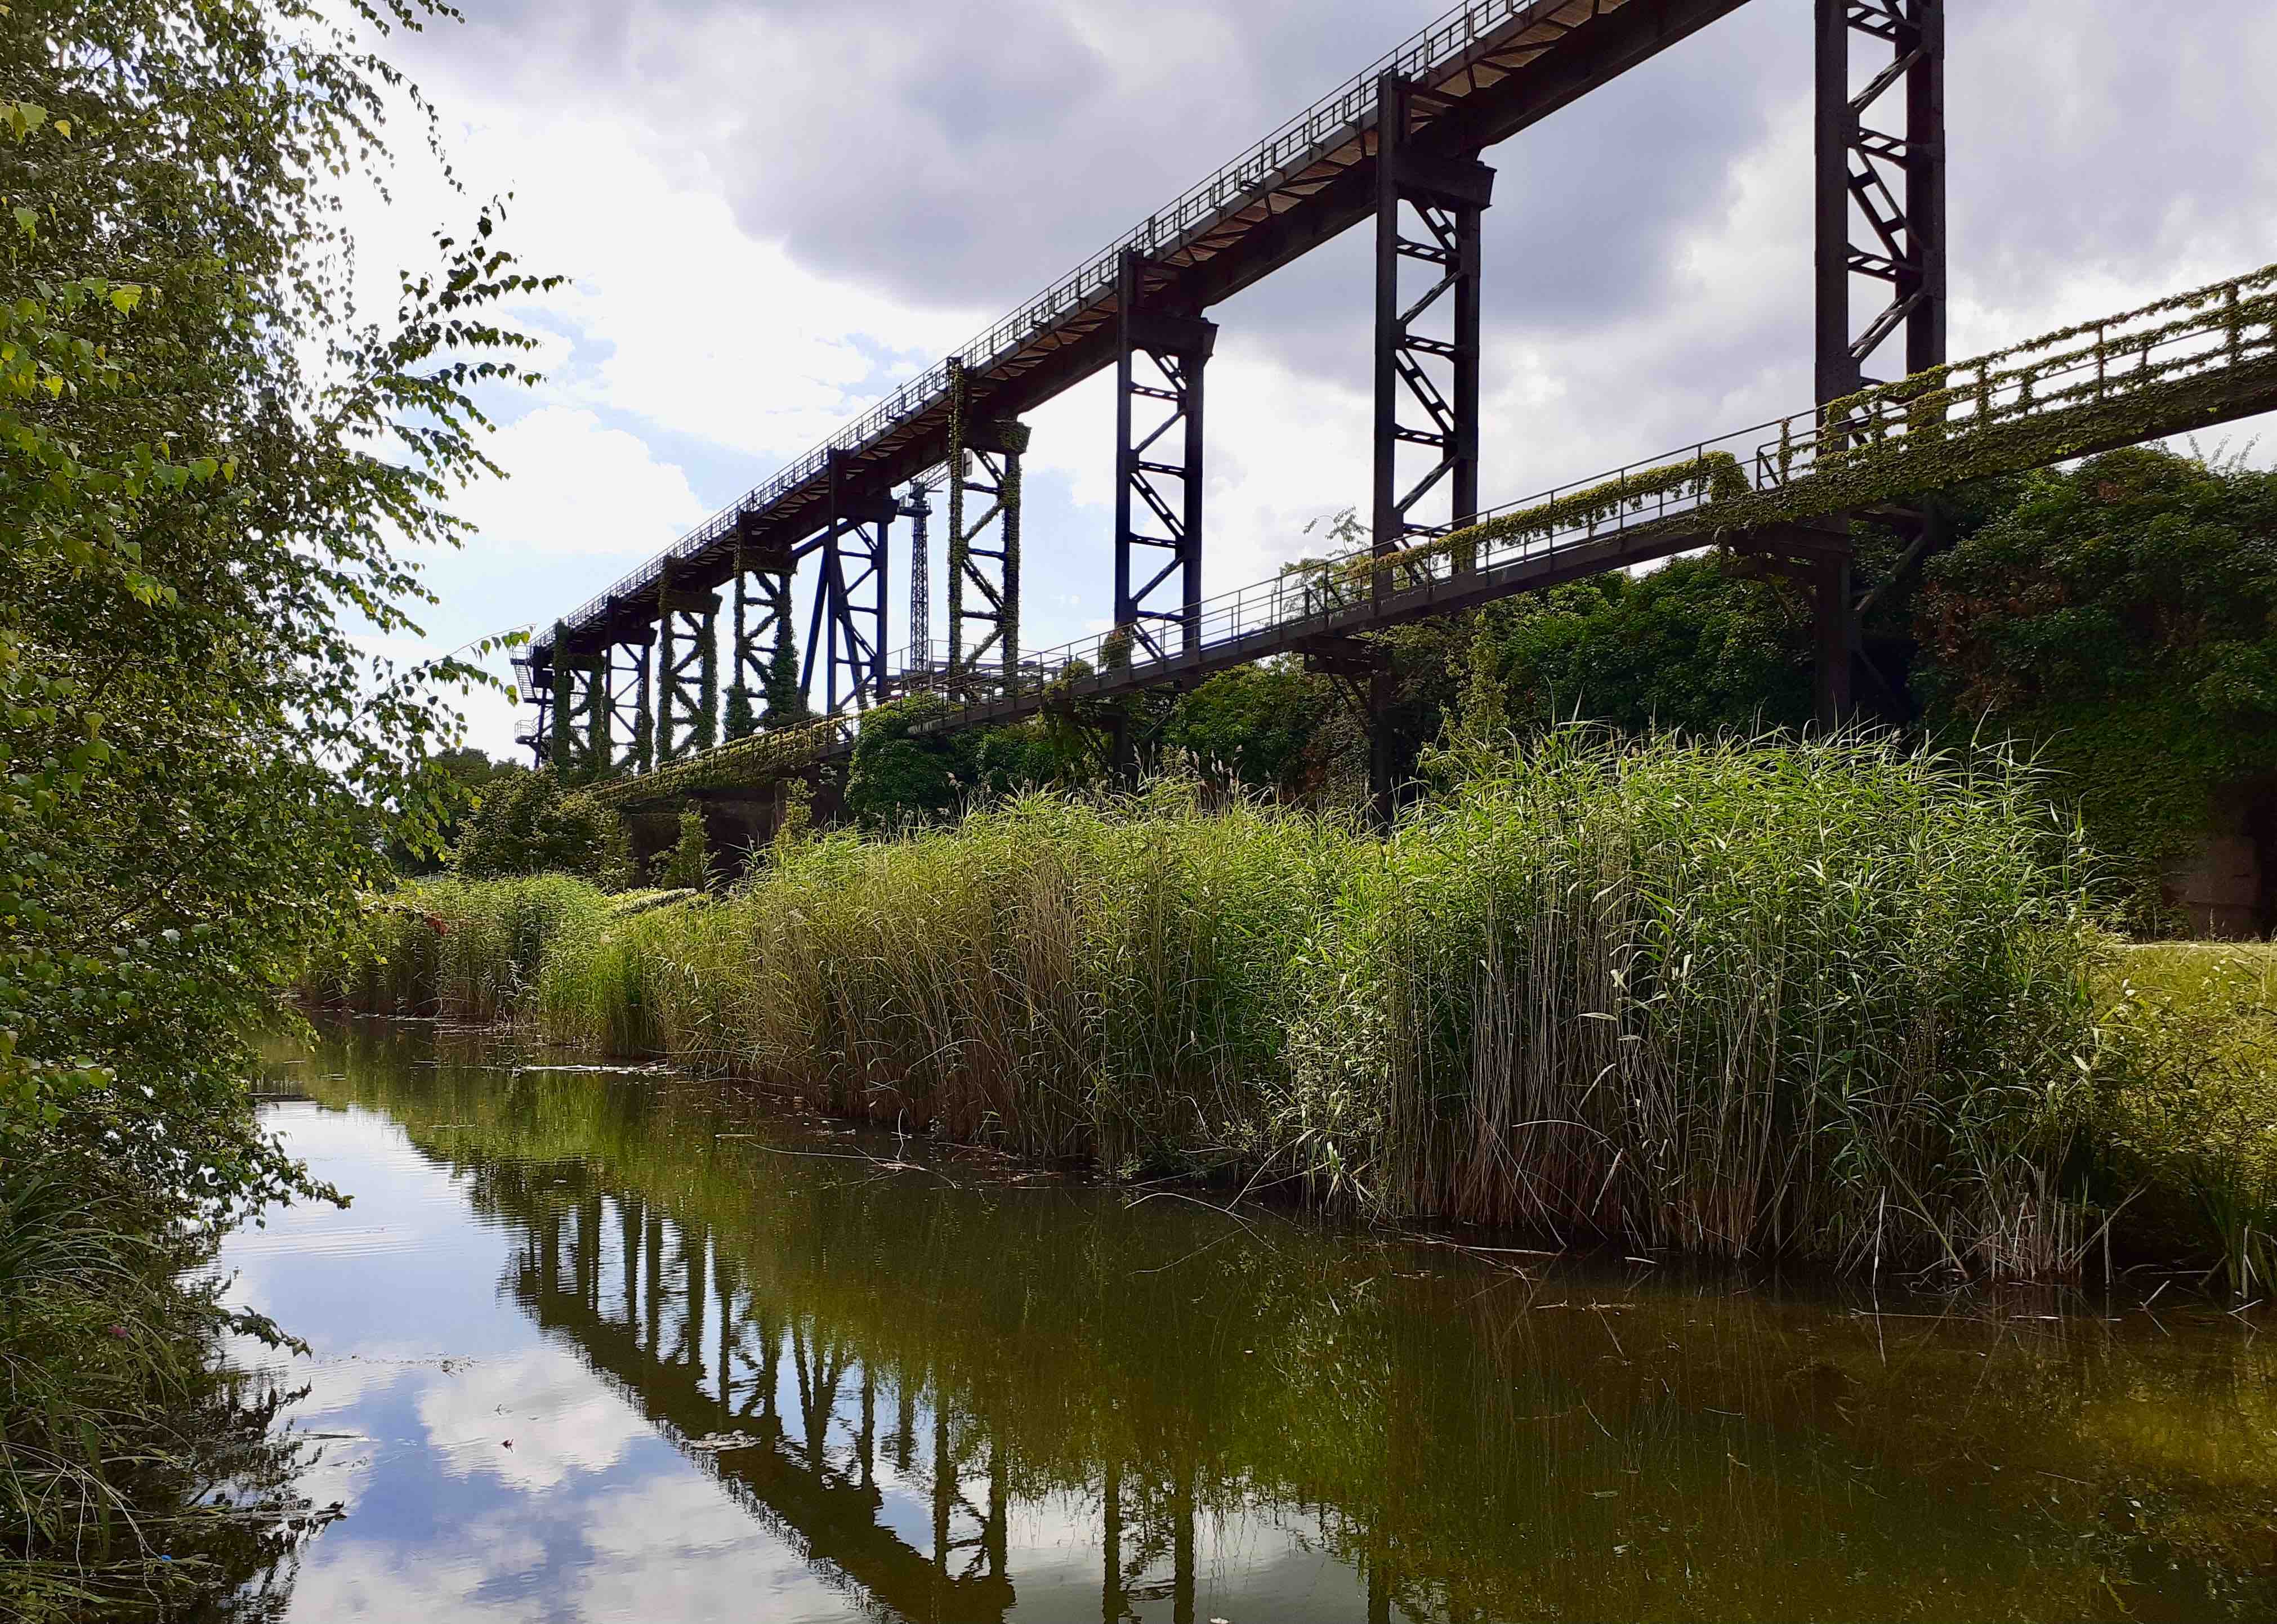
{"type": "Point", "coordinates": [2121, 616]}
{"type": "Point", "coordinates": [1690, 646]}
{"type": "Point", "coordinates": [529, 822]}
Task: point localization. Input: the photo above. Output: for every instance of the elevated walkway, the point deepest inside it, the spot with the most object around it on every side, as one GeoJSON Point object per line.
{"type": "Point", "coordinates": [2181, 365]}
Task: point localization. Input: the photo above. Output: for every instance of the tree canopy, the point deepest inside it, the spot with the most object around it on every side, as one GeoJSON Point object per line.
{"type": "Point", "coordinates": [2119, 616]}
{"type": "Point", "coordinates": [216, 473]}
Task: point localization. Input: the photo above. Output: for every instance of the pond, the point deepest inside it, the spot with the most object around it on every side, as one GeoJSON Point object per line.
{"type": "Point", "coordinates": [598, 1344]}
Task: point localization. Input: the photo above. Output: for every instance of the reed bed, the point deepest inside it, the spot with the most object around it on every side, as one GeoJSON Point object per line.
{"type": "Point", "coordinates": [2187, 1116]}
{"type": "Point", "coordinates": [1824, 1000]}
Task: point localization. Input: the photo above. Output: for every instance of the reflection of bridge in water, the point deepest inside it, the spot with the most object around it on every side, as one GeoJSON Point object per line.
{"type": "Point", "coordinates": [870, 1477]}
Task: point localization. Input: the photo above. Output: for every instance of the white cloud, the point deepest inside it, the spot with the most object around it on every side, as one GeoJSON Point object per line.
{"type": "Point", "coordinates": [575, 487]}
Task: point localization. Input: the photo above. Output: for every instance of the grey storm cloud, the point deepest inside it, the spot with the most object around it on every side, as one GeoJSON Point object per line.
{"type": "Point", "coordinates": [964, 152]}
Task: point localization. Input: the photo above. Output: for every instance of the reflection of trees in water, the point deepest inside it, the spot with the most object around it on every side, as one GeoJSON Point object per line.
{"type": "Point", "coordinates": [1474, 1446]}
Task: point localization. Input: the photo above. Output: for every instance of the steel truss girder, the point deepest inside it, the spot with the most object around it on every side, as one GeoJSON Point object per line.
{"type": "Point", "coordinates": [983, 542]}
{"type": "Point", "coordinates": [687, 673]}
{"type": "Point", "coordinates": [846, 631]}
{"type": "Point", "coordinates": [1881, 212]}
{"type": "Point", "coordinates": [1161, 356]}
{"type": "Point", "coordinates": [1427, 383]}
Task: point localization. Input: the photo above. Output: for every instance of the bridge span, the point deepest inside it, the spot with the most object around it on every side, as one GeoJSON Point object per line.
{"type": "Point", "coordinates": [628, 687]}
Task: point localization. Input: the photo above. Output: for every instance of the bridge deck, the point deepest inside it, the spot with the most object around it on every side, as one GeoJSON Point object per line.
{"type": "Point", "coordinates": [2183, 364]}
{"type": "Point", "coordinates": [1497, 65]}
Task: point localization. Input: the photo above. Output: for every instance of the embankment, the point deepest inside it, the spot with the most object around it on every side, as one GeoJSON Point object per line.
{"type": "Point", "coordinates": [1828, 1000]}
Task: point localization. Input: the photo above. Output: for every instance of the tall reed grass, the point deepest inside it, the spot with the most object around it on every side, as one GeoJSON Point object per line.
{"type": "Point", "coordinates": [1825, 998]}
{"type": "Point", "coordinates": [470, 949]}
{"type": "Point", "coordinates": [2187, 1111]}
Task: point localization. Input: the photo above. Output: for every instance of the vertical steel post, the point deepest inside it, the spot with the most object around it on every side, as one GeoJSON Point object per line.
{"type": "Point", "coordinates": [918, 510]}
{"type": "Point", "coordinates": [1162, 354]}
{"type": "Point", "coordinates": [1385, 530]}
{"type": "Point", "coordinates": [984, 547]}
{"type": "Point", "coordinates": [1426, 383]}
{"type": "Point", "coordinates": [1892, 184]}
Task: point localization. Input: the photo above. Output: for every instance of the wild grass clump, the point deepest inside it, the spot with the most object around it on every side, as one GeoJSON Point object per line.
{"type": "Point", "coordinates": [1825, 998]}
{"type": "Point", "coordinates": [467, 948]}
{"type": "Point", "coordinates": [1820, 998]}
{"type": "Point", "coordinates": [2186, 1117]}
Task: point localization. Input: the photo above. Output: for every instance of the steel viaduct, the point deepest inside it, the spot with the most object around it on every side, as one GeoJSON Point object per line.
{"type": "Point", "coordinates": [627, 687]}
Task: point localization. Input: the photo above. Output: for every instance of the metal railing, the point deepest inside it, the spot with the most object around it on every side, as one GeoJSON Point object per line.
{"type": "Point", "coordinates": [1327, 125]}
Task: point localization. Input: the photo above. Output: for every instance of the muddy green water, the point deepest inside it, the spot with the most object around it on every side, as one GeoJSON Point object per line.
{"type": "Point", "coordinates": [592, 1345]}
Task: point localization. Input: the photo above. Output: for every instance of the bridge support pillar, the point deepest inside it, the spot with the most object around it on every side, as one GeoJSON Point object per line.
{"type": "Point", "coordinates": [1881, 166]}
{"type": "Point", "coordinates": [686, 673]}
{"type": "Point", "coordinates": [918, 511]}
{"type": "Point", "coordinates": [534, 680]}
{"type": "Point", "coordinates": [580, 711]}
{"type": "Point", "coordinates": [1835, 621]}
{"type": "Point", "coordinates": [1426, 383]}
{"type": "Point", "coordinates": [848, 628]}
{"type": "Point", "coordinates": [763, 621]}
{"type": "Point", "coordinates": [1363, 670]}
{"type": "Point", "coordinates": [1161, 357]}
{"type": "Point", "coordinates": [983, 542]}
{"type": "Point", "coordinates": [632, 737]}
{"type": "Point", "coordinates": [1881, 219]}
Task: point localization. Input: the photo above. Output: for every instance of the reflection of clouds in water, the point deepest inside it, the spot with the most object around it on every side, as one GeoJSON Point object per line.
{"type": "Point", "coordinates": [544, 1400]}
{"type": "Point", "coordinates": [349, 1581]}
{"type": "Point", "coordinates": [677, 1548]}
{"type": "Point", "coordinates": [668, 1547]}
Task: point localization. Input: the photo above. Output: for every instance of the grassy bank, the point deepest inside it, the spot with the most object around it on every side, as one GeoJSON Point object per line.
{"type": "Point", "coordinates": [1826, 1000]}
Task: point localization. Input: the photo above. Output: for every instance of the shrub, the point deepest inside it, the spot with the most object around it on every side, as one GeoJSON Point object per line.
{"type": "Point", "coordinates": [529, 823]}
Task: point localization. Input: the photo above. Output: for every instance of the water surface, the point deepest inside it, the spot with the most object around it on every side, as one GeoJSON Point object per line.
{"type": "Point", "coordinates": [592, 1345]}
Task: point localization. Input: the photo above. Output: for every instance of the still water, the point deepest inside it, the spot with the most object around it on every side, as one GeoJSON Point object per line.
{"type": "Point", "coordinates": [592, 1345]}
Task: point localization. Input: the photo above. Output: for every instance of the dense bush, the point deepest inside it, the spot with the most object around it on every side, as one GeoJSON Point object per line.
{"type": "Point", "coordinates": [529, 822]}
{"type": "Point", "coordinates": [2119, 616]}
{"type": "Point", "coordinates": [2188, 1106]}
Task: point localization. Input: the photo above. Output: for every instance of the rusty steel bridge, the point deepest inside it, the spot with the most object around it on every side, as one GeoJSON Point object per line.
{"type": "Point", "coordinates": [627, 687]}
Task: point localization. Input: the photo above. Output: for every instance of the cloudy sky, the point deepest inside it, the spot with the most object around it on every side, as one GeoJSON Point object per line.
{"type": "Point", "coordinates": [773, 210]}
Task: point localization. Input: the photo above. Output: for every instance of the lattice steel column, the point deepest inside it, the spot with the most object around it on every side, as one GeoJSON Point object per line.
{"type": "Point", "coordinates": [1881, 190]}
{"type": "Point", "coordinates": [848, 628]}
{"type": "Point", "coordinates": [1161, 358]}
{"type": "Point", "coordinates": [763, 619]}
{"type": "Point", "coordinates": [918, 512]}
{"type": "Point", "coordinates": [984, 540]}
{"type": "Point", "coordinates": [1427, 383]}
{"type": "Point", "coordinates": [687, 672]}
{"type": "Point", "coordinates": [535, 680]}
{"type": "Point", "coordinates": [632, 738]}
{"type": "Point", "coordinates": [1881, 219]}
{"type": "Point", "coordinates": [581, 713]}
